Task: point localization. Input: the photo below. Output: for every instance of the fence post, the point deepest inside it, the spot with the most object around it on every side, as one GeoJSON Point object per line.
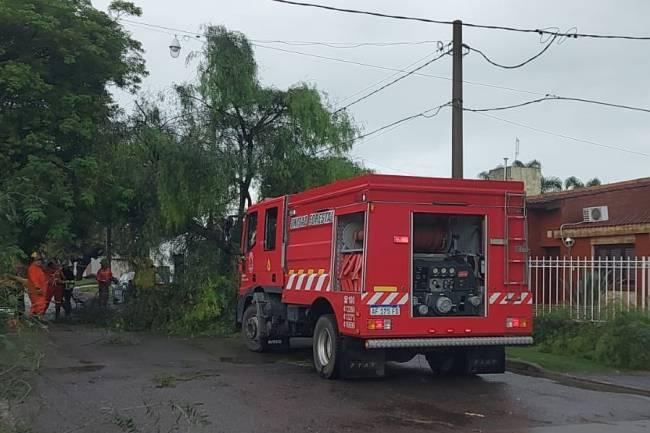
{"type": "Point", "coordinates": [584, 277]}
{"type": "Point", "coordinates": [563, 280]}
{"type": "Point", "coordinates": [591, 277]}
{"type": "Point", "coordinates": [556, 269]}
{"type": "Point", "coordinates": [571, 283]}
{"type": "Point", "coordinates": [544, 298]}
{"type": "Point", "coordinates": [644, 264]}
{"type": "Point", "coordinates": [607, 286]}
{"type": "Point", "coordinates": [600, 267]}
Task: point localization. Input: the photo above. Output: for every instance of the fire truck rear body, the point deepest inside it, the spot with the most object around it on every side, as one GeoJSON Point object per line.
{"type": "Point", "coordinates": [404, 264]}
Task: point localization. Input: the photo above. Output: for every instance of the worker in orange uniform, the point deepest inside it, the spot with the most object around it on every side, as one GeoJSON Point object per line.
{"type": "Point", "coordinates": [104, 278]}
{"type": "Point", "coordinates": [56, 285]}
{"type": "Point", "coordinates": [37, 286]}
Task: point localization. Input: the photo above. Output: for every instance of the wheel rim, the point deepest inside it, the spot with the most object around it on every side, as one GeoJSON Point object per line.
{"type": "Point", "coordinates": [251, 328]}
{"type": "Point", "coordinates": [324, 347]}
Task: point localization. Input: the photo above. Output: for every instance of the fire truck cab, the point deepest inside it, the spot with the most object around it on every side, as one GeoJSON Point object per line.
{"type": "Point", "coordinates": [381, 268]}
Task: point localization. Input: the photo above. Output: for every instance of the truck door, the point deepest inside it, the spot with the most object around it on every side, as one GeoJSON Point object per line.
{"type": "Point", "coordinates": [249, 250]}
{"type": "Point", "coordinates": [269, 260]}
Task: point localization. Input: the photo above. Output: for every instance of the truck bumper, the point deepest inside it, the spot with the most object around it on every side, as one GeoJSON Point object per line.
{"type": "Point", "coordinates": [413, 343]}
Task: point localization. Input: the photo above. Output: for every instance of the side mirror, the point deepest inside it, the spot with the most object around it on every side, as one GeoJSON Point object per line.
{"type": "Point", "coordinates": [241, 263]}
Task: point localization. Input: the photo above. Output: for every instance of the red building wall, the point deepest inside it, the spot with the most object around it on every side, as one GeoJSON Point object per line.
{"type": "Point", "coordinates": [629, 210]}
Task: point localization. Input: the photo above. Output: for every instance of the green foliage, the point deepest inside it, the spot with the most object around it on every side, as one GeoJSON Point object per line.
{"type": "Point", "coordinates": [593, 182]}
{"type": "Point", "coordinates": [623, 342]}
{"type": "Point", "coordinates": [573, 182]}
{"type": "Point", "coordinates": [551, 184]}
{"type": "Point", "coordinates": [176, 309]}
{"type": "Point", "coordinates": [57, 58]}
{"type": "Point", "coordinates": [259, 134]}
{"type": "Point", "coordinates": [284, 176]}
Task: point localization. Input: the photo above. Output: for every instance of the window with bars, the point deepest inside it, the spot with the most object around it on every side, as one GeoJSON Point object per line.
{"type": "Point", "coordinates": [614, 251]}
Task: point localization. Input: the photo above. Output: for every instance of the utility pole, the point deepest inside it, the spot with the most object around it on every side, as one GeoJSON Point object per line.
{"type": "Point", "coordinates": [457, 103]}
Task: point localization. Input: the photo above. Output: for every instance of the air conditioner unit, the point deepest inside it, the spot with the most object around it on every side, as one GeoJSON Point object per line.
{"type": "Point", "coordinates": [595, 214]}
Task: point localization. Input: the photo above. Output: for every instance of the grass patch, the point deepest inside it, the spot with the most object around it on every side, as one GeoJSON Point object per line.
{"type": "Point", "coordinates": [554, 362]}
{"type": "Point", "coordinates": [623, 342]}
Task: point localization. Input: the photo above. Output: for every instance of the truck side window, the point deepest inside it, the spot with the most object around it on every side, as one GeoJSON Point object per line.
{"type": "Point", "coordinates": [270, 226]}
{"type": "Point", "coordinates": [251, 230]}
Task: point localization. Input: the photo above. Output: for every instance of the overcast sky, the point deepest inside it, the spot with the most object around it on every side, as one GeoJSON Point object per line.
{"type": "Point", "coordinates": [610, 70]}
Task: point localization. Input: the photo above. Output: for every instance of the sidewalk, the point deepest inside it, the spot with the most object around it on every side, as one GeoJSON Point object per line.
{"type": "Point", "coordinates": [637, 380]}
{"type": "Point", "coordinates": [626, 383]}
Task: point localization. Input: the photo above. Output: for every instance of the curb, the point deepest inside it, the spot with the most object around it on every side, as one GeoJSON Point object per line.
{"type": "Point", "coordinates": [531, 369]}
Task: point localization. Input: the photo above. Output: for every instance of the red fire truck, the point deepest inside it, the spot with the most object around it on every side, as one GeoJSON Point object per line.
{"type": "Point", "coordinates": [381, 268]}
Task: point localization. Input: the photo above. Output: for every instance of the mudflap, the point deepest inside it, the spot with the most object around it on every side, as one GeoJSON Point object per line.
{"type": "Point", "coordinates": [485, 360]}
{"type": "Point", "coordinates": [358, 362]}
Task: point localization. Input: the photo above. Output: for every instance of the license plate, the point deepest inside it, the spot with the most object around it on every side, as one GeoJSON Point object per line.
{"type": "Point", "coordinates": [384, 310]}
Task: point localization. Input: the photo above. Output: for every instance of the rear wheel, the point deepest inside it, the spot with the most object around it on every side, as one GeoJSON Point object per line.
{"type": "Point", "coordinates": [251, 330]}
{"type": "Point", "coordinates": [326, 347]}
{"type": "Point", "coordinates": [448, 362]}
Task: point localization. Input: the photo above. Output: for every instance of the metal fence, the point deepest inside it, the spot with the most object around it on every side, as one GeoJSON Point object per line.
{"type": "Point", "coordinates": [590, 288]}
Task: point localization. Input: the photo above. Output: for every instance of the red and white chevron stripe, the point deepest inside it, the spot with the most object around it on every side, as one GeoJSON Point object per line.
{"type": "Point", "coordinates": [383, 298]}
{"type": "Point", "coordinates": [306, 282]}
{"type": "Point", "coordinates": [503, 298]}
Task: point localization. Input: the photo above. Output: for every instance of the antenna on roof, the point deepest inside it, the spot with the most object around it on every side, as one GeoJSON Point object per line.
{"type": "Point", "coordinates": [516, 148]}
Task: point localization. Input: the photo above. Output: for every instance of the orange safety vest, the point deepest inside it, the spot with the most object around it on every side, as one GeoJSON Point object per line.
{"type": "Point", "coordinates": [36, 278]}
{"type": "Point", "coordinates": [104, 275]}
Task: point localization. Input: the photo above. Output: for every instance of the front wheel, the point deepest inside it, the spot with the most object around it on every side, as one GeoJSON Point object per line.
{"type": "Point", "coordinates": [251, 330]}
{"type": "Point", "coordinates": [326, 347]}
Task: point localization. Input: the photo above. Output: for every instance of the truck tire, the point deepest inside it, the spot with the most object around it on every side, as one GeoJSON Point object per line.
{"type": "Point", "coordinates": [250, 330]}
{"type": "Point", "coordinates": [326, 347]}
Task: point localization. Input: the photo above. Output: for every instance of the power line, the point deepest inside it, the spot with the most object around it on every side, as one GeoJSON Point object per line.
{"type": "Point", "coordinates": [567, 137]}
{"type": "Point", "coordinates": [396, 80]}
{"type": "Point", "coordinates": [338, 45]}
{"type": "Point", "coordinates": [346, 45]}
{"type": "Point", "coordinates": [558, 98]}
{"type": "Point", "coordinates": [518, 65]}
{"type": "Point", "coordinates": [387, 68]}
{"type": "Point", "coordinates": [365, 160]}
{"type": "Point", "coordinates": [545, 97]}
{"type": "Point", "coordinates": [473, 25]}
{"type": "Point", "coordinates": [431, 112]}
{"type": "Point", "coordinates": [382, 80]}
{"type": "Point", "coordinates": [334, 59]}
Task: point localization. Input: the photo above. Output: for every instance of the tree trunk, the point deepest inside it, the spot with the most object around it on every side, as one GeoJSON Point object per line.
{"type": "Point", "coordinates": [109, 244]}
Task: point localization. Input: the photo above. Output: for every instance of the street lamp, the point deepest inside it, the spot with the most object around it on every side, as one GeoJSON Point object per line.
{"type": "Point", "coordinates": [174, 48]}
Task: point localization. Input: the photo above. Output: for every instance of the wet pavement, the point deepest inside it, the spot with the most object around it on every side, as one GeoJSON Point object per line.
{"type": "Point", "coordinates": [95, 381]}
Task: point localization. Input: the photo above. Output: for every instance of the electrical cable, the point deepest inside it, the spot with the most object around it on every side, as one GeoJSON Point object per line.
{"type": "Point", "coordinates": [387, 68]}
{"type": "Point", "coordinates": [434, 112]}
{"type": "Point", "coordinates": [358, 92]}
{"type": "Point", "coordinates": [559, 98]}
{"type": "Point", "coordinates": [473, 25]}
{"type": "Point", "coordinates": [342, 45]}
{"type": "Point", "coordinates": [545, 97]}
{"type": "Point", "coordinates": [345, 45]}
{"type": "Point", "coordinates": [519, 65]}
{"type": "Point", "coordinates": [334, 59]}
{"type": "Point", "coordinates": [567, 137]}
{"type": "Point", "coordinates": [396, 80]}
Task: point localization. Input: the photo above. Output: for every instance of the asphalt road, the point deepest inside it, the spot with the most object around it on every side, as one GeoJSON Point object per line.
{"type": "Point", "coordinates": [94, 381]}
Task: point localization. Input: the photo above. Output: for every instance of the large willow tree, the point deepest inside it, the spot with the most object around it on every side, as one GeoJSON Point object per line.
{"type": "Point", "coordinates": [265, 140]}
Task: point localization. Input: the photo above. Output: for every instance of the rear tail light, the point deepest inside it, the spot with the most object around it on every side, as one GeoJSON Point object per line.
{"type": "Point", "coordinates": [380, 324]}
{"type": "Point", "coordinates": [516, 322]}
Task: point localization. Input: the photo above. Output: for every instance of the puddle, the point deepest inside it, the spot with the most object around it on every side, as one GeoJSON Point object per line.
{"type": "Point", "coordinates": [80, 368]}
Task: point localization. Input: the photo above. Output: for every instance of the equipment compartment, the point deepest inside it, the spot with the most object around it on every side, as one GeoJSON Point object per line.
{"type": "Point", "coordinates": [448, 265]}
